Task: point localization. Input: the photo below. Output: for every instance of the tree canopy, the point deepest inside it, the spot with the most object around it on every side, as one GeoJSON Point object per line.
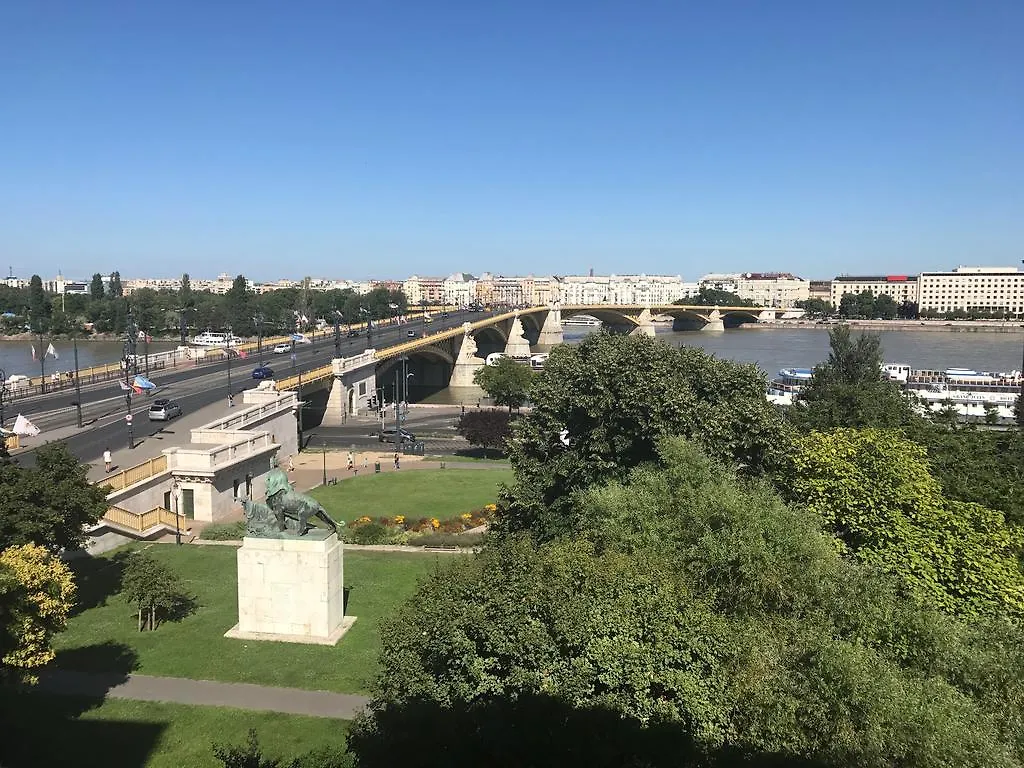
{"type": "Point", "coordinates": [612, 398]}
{"type": "Point", "coordinates": [506, 382]}
{"type": "Point", "coordinates": [488, 428]}
{"type": "Point", "coordinates": [713, 297]}
{"type": "Point", "coordinates": [48, 504]}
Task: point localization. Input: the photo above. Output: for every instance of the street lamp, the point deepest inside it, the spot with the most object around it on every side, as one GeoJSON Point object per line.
{"type": "Point", "coordinates": [325, 462]}
{"type": "Point", "coordinates": [369, 326]}
{"type": "Point", "coordinates": [175, 491]}
{"type": "Point", "coordinates": [337, 334]}
{"type": "Point", "coordinates": [258, 322]}
{"type": "Point", "coordinates": [230, 399]}
{"type": "Point", "coordinates": [3, 389]}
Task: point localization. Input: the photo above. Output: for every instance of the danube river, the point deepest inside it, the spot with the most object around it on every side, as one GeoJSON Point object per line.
{"type": "Point", "coordinates": [16, 356]}
{"type": "Point", "coordinates": [805, 347]}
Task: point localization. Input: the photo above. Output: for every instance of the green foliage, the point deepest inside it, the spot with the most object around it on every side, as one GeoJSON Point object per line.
{"type": "Point", "coordinates": [153, 587]}
{"type": "Point", "coordinates": [816, 307]}
{"type": "Point", "coordinates": [370, 533]}
{"type": "Point", "coordinates": [250, 755]}
{"type": "Point", "coordinates": [224, 531]}
{"type": "Point", "coordinates": [488, 428]}
{"type": "Point", "coordinates": [507, 382]}
{"type": "Point", "coordinates": [848, 390]}
{"type": "Point", "coordinates": [448, 540]}
{"type": "Point", "coordinates": [698, 621]}
{"type": "Point", "coordinates": [38, 307]}
{"type": "Point", "coordinates": [116, 289]}
{"type": "Point", "coordinates": [713, 297]}
{"type": "Point", "coordinates": [96, 289]}
{"type": "Point", "coordinates": [874, 492]}
{"type": "Point", "coordinates": [49, 504]}
{"type": "Point", "coordinates": [618, 396]}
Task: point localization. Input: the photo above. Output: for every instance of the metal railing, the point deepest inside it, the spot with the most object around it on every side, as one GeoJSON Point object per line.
{"type": "Point", "coordinates": [136, 474]}
{"type": "Point", "coordinates": [317, 374]}
{"type": "Point", "coordinates": [143, 521]}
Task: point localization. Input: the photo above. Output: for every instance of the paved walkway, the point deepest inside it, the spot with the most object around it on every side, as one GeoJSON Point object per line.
{"type": "Point", "coordinates": [179, 690]}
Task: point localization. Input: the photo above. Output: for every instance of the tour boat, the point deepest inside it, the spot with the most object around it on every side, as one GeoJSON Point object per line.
{"type": "Point", "coordinates": [790, 381]}
{"type": "Point", "coordinates": [209, 339]}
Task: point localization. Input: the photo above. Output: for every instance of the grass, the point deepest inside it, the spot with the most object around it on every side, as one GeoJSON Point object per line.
{"type": "Point", "coordinates": [224, 531]}
{"type": "Point", "coordinates": [476, 455]}
{"type": "Point", "coordinates": [102, 635]}
{"type": "Point", "coordinates": [59, 730]}
{"type": "Point", "coordinates": [439, 493]}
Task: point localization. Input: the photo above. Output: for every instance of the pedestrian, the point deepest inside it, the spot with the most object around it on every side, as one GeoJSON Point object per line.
{"type": "Point", "coordinates": [231, 400]}
{"type": "Point", "coordinates": [291, 464]}
{"type": "Point", "coordinates": [107, 461]}
{"type": "Point", "coordinates": [351, 461]}
{"type": "Point", "coordinates": [366, 461]}
{"type": "Point", "coordinates": [463, 409]}
{"type": "Point", "coordinates": [396, 460]}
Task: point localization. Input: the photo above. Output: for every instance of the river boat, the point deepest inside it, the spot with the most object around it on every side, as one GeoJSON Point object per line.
{"type": "Point", "coordinates": [965, 386]}
{"type": "Point", "coordinates": [581, 321]}
{"type": "Point", "coordinates": [788, 385]}
{"type": "Point", "coordinates": [210, 339]}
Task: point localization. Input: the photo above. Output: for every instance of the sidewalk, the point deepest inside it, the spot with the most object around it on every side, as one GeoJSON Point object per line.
{"type": "Point", "coordinates": [207, 693]}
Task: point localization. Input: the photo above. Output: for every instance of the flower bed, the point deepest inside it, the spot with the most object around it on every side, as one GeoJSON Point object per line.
{"type": "Point", "coordinates": [403, 529]}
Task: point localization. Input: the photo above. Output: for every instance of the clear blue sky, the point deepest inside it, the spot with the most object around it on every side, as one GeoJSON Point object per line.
{"type": "Point", "coordinates": [381, 139]}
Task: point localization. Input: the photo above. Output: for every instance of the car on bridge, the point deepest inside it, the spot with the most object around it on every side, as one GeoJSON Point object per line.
{"type": "Point", "coordinates": [164, 410]}
{"type": "Point", "coordinates": [282, 349]}
{"type": "Point", "coordinates": [263, 372]}
{"type": "Point", "coordinates": [411, 334]}
{"type": "Point", "coordinates": [353, 334]}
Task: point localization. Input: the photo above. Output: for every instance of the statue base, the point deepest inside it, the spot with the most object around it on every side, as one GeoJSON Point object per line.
{"type": "Point", "coordinates": [291, 590]}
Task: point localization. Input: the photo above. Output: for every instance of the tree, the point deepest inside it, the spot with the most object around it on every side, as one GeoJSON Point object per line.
{"type": "Point", "coordinates": [697, 620]}
{"type": "Point", "coordinates": [713, 297]}
{"type": "Point", "coordinates": [96, 287]}
{"type": "Point", "coordinates": [49, 504]}
{"type": "Point", "coordinates": [36, 595]}
{"type": "Point", "coordinates": [600, 408]}
{"type": "Point", "coordinates": [116, 290]}
{"type": "Point", "coordinates": [488, 428]}
{"type": "Point", "coordinates": [506, 381]}
{"type": "Point", "coordinates": [908, 310]}
{"type": "Point", "coordinates": [250, 755]}
{"type": "Point", "coordinates": [848, 390]}
{"type": "Point", "coordinates": [152, 587]}
{"type": "Point", "coordinates": [37, 305]}
{"type": "Point", "coordinates": [885, 307]}
{"type": "Point", "coordinates": [816, 307]}
{"type": "Point", "coordinates": [873, 490]}
{"type": "Point", "coordinates": [238, 306]}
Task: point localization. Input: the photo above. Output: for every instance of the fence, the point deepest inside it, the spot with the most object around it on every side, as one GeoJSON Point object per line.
{"type": "Point", "coordinates": [143, 521]}
{"type": "Point", "coordinates": [136, 474]}
{"type": "Point", "coordinates": [292, 382]}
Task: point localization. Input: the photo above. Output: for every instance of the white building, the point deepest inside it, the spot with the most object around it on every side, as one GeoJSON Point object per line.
{"type": "Point", "coordinates": [459, 289]}
{"type": "Point", "coordinates": [765, 289]}
{"type": "Point", "coordinates": [986, 290]}
{"type": "Point", "coordinates": [900, 287]}
{"type": "Point", "coordinates": [647, 290]}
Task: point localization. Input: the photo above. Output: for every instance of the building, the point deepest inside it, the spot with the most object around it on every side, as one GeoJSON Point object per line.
{"type": "Point", "coordinates": [901, 288]}
{"type": "Point", "coordinates": [981, 290]}
{"type": "Point", "coordinates": [61, 285]}
{"type": "Point", "coordinates": [648, 290]}
{"type": "Point", "coordinates": [820, 289]}
{"type": "Point", "coordinates": [773, 289]}
{"type": "Point", "coordinates": [459, 289]}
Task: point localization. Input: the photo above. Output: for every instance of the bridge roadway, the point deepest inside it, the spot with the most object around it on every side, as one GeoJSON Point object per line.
{"type": "Point", "coordinates": [103, 404]}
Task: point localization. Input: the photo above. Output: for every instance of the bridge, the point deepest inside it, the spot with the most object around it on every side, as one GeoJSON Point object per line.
{"type": "Point", "coordinates": [451, 357]}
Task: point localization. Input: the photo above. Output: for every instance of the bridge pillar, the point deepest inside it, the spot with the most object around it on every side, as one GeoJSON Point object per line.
{"type": "Point", "coordinates": [517, 345]}
{"type": "Point", "coordinates": [766, 316]}
{"type": "Point", "coordinates": [715, 322]}
{"type": "Point", "coordinates": [337, 403]}
{"type": "Point", "coordinates": [466, 364]}
{"type": "Point", "coordinates": [645, 325]}
{"type": "Point", "coordinates": [551, 331]}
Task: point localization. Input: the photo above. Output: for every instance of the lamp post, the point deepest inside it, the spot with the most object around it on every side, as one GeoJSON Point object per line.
{"type": "Point", "coordinates": [258, 322]}
{"type": "Point", "coordinates": [183, 325]}
{"type": "Point", "coordinates": [78, 387]}
{"type": "Point", "coordinates": [130, 338]}
{"type": "Point", "coordinates": [337, 334]}
{"type": "Point", "coordinates": [325, 462]}
{"type": "Point", "coordinates": [3, 389]}
{"type": "Point", "coordinates": [369, 326]}
{"type": "Point", "coordinates": [175, 491]}
{"type": "Point", "coordinates": [230, 401]}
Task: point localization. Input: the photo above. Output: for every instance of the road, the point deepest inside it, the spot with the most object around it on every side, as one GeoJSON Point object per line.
{"type": "Point", "coordinates": [193, 388]}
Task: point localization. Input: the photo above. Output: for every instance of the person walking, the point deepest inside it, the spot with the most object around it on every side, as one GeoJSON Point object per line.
{"type": "Point", "coordinates": [396, 460]}
{"type": "Point", "coordinates": [107, 461]}
{"type": "Point", "coordinates": [366, 462]}
{"type": "Point", "coordinates": [351, 461]}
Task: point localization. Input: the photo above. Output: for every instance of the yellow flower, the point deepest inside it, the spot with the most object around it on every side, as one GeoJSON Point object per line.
{"type": "Point", "coordinates": [363, 519]}
{"type": "Point", "coordinates": [466, 516]}
{"type": "Point", "coordinates": [491, 507]}
{"type": "Point", "coordinates": [435, 523]}
{"type": "Point", "coordinates": [399, 519]}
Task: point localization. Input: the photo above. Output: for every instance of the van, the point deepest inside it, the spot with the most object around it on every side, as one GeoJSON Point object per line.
{"type": "Point", "coordinates": [388, 436]}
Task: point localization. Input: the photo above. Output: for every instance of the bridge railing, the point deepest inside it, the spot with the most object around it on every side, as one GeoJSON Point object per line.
{"type": "Point", "coordinates": [317, 374]}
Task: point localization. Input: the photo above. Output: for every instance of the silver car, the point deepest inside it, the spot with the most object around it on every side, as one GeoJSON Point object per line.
{"type": "Point", "coordinates": [164, 410]}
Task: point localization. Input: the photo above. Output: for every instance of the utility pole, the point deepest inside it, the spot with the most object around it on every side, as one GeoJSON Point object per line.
{"type": "Point", "coordinates": [130, 339]}
{"type": "Point", "coordinates": [229, 366]}
{"type": "Point", "coordinates": [337, 334]}
{"type": "Point", "coordinates": [3, 389]}
{"type": "Point", "coordinates": [78, 386]}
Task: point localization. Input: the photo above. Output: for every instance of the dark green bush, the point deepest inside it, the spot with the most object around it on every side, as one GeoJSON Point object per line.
{"type": "Point", "coordinates": [371, 533]}
{"type": "Point", "coordinates": [223, 531]}
{"type": "Point", "coordinates": [448, 540]}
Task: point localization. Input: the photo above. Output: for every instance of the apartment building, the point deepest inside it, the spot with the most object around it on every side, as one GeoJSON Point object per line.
{"type": "Point", "coordinates": [459, 289]}
{"type": "Point", "coordinates": [773, 289]}
{"type": "Point", "coordinates": [820, 289]}
{"type": "Point", "coordinates": [986, 290]}
{"type": "Point", "coordinates": [621, 289]}
{"type": "Point", "coordinates": [901, 288]}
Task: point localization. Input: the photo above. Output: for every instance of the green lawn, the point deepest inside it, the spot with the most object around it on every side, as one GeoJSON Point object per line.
{"type": "Point", "coordinates": [59, 730]}
{"type": "Point", "coordinates": [440, 493]}
{"type": "Point", "coordinates": [103, 635]}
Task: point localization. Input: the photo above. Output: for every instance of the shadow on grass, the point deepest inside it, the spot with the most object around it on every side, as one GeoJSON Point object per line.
{"type": "Point", "coordinates": [42, 725]}
{"type": "Point", "coordinates": [535, 731]}
{"type": "Point", "coordinates": [97, 579]}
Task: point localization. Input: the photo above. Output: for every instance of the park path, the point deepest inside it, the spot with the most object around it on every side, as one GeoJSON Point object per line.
{"type": "Point", "coordinates": [179, 690]}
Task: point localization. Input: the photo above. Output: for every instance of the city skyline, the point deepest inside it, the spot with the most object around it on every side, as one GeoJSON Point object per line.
{"type": "Point", "coordinates": [370, 140]}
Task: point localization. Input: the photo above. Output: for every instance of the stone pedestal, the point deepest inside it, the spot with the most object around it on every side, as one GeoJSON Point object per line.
{"type": "Point", "coordinates": [291, 589]}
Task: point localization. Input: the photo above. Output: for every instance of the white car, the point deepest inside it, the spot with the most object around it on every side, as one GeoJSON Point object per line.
{"type": "Point", "coordinates": [282, 349]}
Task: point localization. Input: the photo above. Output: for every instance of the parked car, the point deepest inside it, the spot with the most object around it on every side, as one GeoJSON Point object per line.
{"type": "Point", "coordinates": [282, 349]}
{"type": "Point", "coordinates": [164, 410]}
{"type": "Point", "coordinates": [263, 372]}
{"type": "Point", "coordinates": [388, 436]}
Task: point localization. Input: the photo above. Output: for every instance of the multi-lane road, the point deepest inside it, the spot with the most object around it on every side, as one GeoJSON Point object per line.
{"type": "Point", "coordinates": [104, 407]}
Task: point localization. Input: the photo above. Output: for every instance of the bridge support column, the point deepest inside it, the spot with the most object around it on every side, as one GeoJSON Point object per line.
{"type": "Point", "coordinates": [466, 364]}
{"type": "Point", "coordinates": [766, 316]}
{"type": "Point", "coordinates": [337, 401]}
{"type": "Point", "coordinates": [715, 322]}
{"type": "Point", "coordinates": [551, 331]}
{"type": "Point", "coordinates": [518, 345]}
{"type": "Point", "coordinates": [645, 325]}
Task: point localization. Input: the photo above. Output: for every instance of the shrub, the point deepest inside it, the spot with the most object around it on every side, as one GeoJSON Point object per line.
{"type": "Point", "coordinates": [372, 533]}
{"type": "Point", "coordinates": [223, 531]}
{"type": "Point", "coordinates": [448, 540]}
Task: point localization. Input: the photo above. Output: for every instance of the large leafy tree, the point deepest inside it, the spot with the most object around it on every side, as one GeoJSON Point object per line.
{"type": "Point", "coordinates": [96, 287]}
{"type": "Point", "coordinates": [48, 504]}
{"type": "Point", "coordinates": [152, 588]}
{"type": "Point", "coordinates": [713, 297]}
{"type": "Point", "coordinates": [506, 381]}
{"type": "Point", "coordinates": [488, 428]}
{"type": "Point", "coordinates": [36, 594]}
{"type": "Point", "coordinates": [848, 390]}
{"type": "Point", "coordinates": [697, 620]}
{"type": "Point", "coordinates": [38, 307]}
{"type": "Point", "coordinates": [816, 307]}
{"type": "Point", "coordinates": [601, 407]}
{"type": "Point", "coordinates": [873, 490]}
{"type": "Point", "coordinates": [238, 307]}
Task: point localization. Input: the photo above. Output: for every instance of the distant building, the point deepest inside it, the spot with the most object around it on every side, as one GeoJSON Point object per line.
{"type": "Point", "coordinates": [765, 289]}
{"type": "Point", "coordinates": [902, 288]}
{"type": "Point", "coordinates": [820, 289]}
{"type": "Point", "coordinates": [986, 290]}
{"type": "Point", "coordinates": [459, 289]}
{"type": "Point", "coordinates": [648, 290]}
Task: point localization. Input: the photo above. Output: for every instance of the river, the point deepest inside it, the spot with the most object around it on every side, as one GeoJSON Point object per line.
{"type": "Point", "coordinates": [16, 356]}
{"type": "Point", "coordinates": [805, 347]}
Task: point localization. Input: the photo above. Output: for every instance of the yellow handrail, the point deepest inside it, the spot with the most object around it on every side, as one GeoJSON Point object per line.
{"type": "Point", "coordinates": [136, 474]}
{"type": "Point", "coordinates": [143, 521]}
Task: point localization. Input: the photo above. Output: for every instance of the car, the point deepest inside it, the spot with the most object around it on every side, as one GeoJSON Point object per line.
{"type": "Point", "coordinates": [353, 334]}
{"type": "Point", "coordinates": [282, 349]}
{"type": "Point", "coordinates": [263, 372]}
{"type": "Point", "coordinates": [164, 410]}
{"type": "Point", "coordinates": [411, 334]}
{"type": "Point", "coordinates": [388, 436]}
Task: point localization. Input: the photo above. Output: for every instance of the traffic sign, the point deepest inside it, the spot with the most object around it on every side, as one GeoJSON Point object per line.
{"type": "Point", "coordinates": [128, 418]}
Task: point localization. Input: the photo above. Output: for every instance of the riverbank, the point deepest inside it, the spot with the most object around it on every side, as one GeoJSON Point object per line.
{"type": "Point", "coordinates": [940, 326]}
{"type": "Point", "coordinates": [107, 337]}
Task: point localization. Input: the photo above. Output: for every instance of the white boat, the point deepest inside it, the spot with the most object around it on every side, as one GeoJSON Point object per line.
{"type": "Point", "coordinates": [209, 339]}
{"type": "Point", "coordinates": [581, 320]}
{"type": "Point", "coordinates": [965, 386]}
{"type": "Point", "coordinates": [790, 381]}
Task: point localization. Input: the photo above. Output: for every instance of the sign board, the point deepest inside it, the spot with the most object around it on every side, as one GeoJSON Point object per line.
{"type": "Point", "coordinates": [128, 418]}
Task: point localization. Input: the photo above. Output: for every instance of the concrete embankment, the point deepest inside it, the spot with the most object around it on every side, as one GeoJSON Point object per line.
{"type": "Point", "coordinates": [940, 326]}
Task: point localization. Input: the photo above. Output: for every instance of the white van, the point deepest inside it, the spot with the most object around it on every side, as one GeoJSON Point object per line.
{"type": "Point", "coordinates": [494, 357]}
